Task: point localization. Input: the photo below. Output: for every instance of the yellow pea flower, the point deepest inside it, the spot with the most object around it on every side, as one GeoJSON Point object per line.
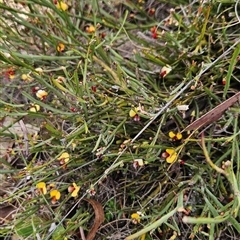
{"type": "Point", "coordinates": [27, 77]}
{"type": "Point", "coordinates": [90, 29]}
{"type": "Point", "coordinates": [175, 136]}
{"type": "Point", "coordinates": [10, 73]}
{"type": "Point", "coordinates": [133, 112]}
{"type": "Point", "coordinates": [39, 70]}
{"type": "Point", "coordinates": [172, 155]}
{"type": "Point", "coordinates": [165, 71]}
{"type": "Point", "coordinates": [41, 186]}
{"type": "Point", "coordinates": [55, 195]}
{"type": "Point", "coordinates": [73, 189]}
{"type": "Point", "coordinates": [41, 94]}
{"type": "Point", "coordinates": [136, 218]}
{"type": "Point", "coordinates": [60, 47]}
{"type": "Point", "coordinates": [138, 163]}
{"type": "Point", "coordinates": [61, 5]}
{"type": "Point", "coordinates": [34, 108]}
{"type": "Point", "coordinates": [64, 157]}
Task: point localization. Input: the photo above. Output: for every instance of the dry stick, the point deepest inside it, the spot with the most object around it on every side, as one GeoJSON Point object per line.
{"type": "Point", "coordinates": [82, 233]}
{"type": "Point", "coordinates": [156, 116]}
{"type": "Point", "coordinates": [214, 114]}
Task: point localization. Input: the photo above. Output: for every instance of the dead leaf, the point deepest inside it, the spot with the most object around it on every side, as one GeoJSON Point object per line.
{"type": "Point", "coordinates": [20, 129]}
{"type": "Point", "coordinates": [214, 114]}
{"type": "Point", "coordinates": [17, 128]}
{"type": "Point", "coordinates": [99, 218]}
